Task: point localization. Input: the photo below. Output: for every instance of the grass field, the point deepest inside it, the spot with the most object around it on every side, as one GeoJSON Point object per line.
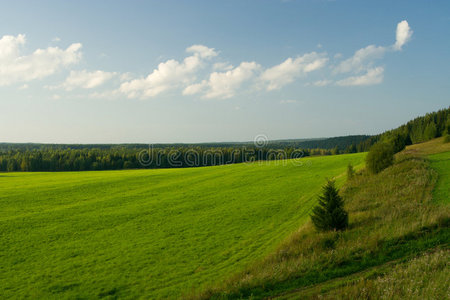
{"type": "Point", "coordinates": [396, 246]}
{"type": "Point", "coordinates": [150, 233]}
{"type": "Point", "coordinates": [441, 163]}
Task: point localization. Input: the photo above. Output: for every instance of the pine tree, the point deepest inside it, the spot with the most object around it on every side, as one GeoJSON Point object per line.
{"type": "Point", "coordinates": [430, 131]}
{"type": "Point", "coordinates": [329, 214]}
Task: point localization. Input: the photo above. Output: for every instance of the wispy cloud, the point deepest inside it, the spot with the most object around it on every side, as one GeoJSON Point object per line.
{"type": "Point", "coordinates": [224, 84]}
{"type": "Point", "coordinates": [361, 60]}
{"type": "Point", "coordinates": [288, 101]}
{"type": "Point", "coordinates": [86, 79]}
{"type": "Point", "coordinates": [200, 72]}
{"type": "Point", "coordinates": [362, 63]}
{"type": "Point", "coordinates": [280, 75]}
{"type": "Point", "coordinates": [221, 66]}
{"type": "Point", "coordinates": [373, 76]}
{"type": "Point", "coordinates": [319, 83]}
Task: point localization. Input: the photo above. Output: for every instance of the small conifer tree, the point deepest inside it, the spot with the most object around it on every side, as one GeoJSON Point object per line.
{"type": "Point", "coordinates": [329, 214]}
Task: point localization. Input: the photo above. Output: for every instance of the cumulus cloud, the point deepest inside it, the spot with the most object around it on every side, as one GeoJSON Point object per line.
{"type": "Point", "coordinates": [361, 60]}
{"type": "Point", "coordinates": [86, 80]}
{"type": "Point", "coordinates": [286, 72]}
{"type": "Point", "coordinates": [373, 76]}
{"type": "Point", "coordinates": [224, 84]}
{"type": "Point", "coordinates": [15, 67]}
{"type": "Point", "coordinates": [126, 76]}
{"type": "Point", "coordinates": [402, 35]}
{"type": "Point", "coordinates": [195, 88]}
{"type": "Point", "coordinates": [169, 74]}
{"type": "Point", "coordinates": [223, 81]}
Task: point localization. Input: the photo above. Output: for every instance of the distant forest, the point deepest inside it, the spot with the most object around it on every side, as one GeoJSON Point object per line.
{"type": "Point", "coordinates": [67, 157]}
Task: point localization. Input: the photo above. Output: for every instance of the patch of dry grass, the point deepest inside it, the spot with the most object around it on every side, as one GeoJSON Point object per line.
{"type": "Point", "coordinates": [431, 147]}
{"type": "Point", "coordinates": [424, 277]}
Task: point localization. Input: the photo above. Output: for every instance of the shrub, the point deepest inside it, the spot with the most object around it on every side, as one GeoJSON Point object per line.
{"type": "Point", "coordinates": [447, 131]}
{"type": "Point", "coordinates": [447, 138]}
{"type": "Point", "coordinates": [380, 156]}
{"type": "Point", "coordinates": [398, 142]}
{"type": "Point", "coordinates": [329, 214]}
{"type": "Point", "coordinates": [350, 171]}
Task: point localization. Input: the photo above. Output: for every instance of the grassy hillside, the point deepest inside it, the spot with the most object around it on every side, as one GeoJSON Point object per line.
{"type": "Point", "coordinates": [396, 247]}
{"type": "Point", "coordinates": [152, 233]}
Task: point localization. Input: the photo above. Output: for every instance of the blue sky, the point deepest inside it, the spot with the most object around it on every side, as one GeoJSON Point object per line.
{"type": "Point", "coordinates": [203, 71]}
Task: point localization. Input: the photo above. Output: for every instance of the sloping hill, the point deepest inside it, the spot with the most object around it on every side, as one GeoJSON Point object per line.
{"type": "Point", "coordinates": [149, 233]}
{"type": "Point", "coordinates": [399, 225]}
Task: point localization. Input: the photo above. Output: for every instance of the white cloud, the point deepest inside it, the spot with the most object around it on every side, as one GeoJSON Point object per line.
{"type": "Point", "coordinates": [125, 76]}
{"type": "Point", "coordinates": [202, 51]}
{"type": "Point", "coordinates": [289, 101]}
{"type": "Point", "coordinates": [402, 35]}
{"type": "Point", "coordinates": [169, 74]}
{"type": "Point", "coordinates": [364, 58]}
{"type": "Point", "coordinates": [195, 88]}
{"type": "Point", "coordinates": [105, 94]}
{"type": "Point", "coordinates": [221, 66]}
{"type": "Point", "coordinates": [224, 84]}
{"type": "Point", "coordinates": [56, 39]}
{"type": "Point", "coordinates": [286, 72]}
{"type": "Point", "coordinates": [9, 46]}
{"type": "Point", "coordinates": [361, 60]}
{"type": "Point", "coordinates": [322, 82]}
{"type": "Point", "coordinates": [24, 87]}
{"type": "Point", "coordinates": [15, 67]}
{"type": "Point", "coordinates": [373, 76]}
{"type": "Point", "coordinates": [86, 80]}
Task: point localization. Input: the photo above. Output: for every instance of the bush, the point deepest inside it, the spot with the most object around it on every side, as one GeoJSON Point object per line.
{"type": "Point", "coordinates": [398, 142]}
{"type": "Point", "coordinates": [447, 138]}
{"type": "Point", "coordinates": [380, 156]}
{"type": "Point", "coordinates": [329, 214]}
{"type": "Point", "coordinates": [350, 171]}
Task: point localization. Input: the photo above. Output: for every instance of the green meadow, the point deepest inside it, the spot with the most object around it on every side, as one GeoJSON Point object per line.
{"type": "Point", "coordinates": [396, 246]}
{"type": "Point", "coordinates": [150, 233]}
{"type": "Point", "coordinates": [441, 163]}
